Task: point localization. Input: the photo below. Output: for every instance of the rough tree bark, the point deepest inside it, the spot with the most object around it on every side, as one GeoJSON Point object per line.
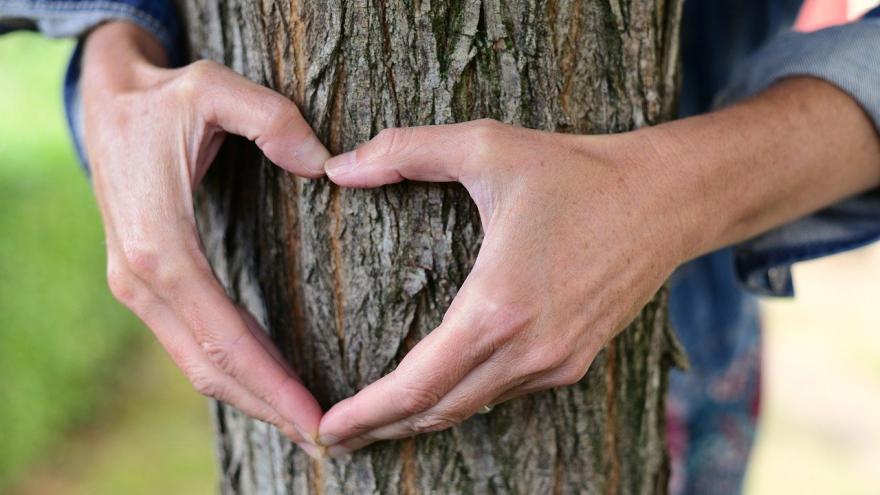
{"type": "Point", "coordinates": [347, 280]}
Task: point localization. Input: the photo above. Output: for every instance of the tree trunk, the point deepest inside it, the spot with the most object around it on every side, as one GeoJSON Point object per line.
{"type": "Point", "coordinates": [348, 280]}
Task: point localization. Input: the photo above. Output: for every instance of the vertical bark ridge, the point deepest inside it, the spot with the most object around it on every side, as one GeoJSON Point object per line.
{"type": "Point", "coordinates": [567, 60]}
{"type": "Point", "coordinates": [316, 478]}
{"type": "Point", "coordinates": [409, 476]}
{"type": "Point", "coordinates": [611, 433]}
{"type": "Point", "coordinates": [382, 15]}
{"type": "Point", "coordinates": [337, 266]}
{"type": "Point", "coordinates": [290, 331]}
{"type": "Point", "coordinates": [348, 280]}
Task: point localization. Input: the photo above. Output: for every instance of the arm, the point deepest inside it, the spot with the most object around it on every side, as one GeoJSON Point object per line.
{"type": "Point", "coordinates": [580, 231]}
{"type": "Point", "coordinates": [799, 146]}
{"type": "Point", "coordinates": [846, 57]}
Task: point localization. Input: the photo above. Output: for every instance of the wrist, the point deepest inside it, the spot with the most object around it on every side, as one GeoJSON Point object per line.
{"type": "Point", "coordinates": [732, 174]}
{"type": "Point", "coordinates": [678, 180]}
{"type": "Point", "coordinates": [666, 194]}
{"type": "Point", "coordinates": [119, 56]}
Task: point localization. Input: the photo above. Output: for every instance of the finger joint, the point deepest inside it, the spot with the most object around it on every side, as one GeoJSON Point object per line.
{"type": "Point", "coordinates": [415, 400]}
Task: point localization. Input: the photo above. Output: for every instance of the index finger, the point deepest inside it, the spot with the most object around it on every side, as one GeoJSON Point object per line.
{"type": "Point", "coordinates": [428, 372]}
{"type": "Point", "coordinates": [223, 334]}
{"type": "Point", "coordinates": [240, 106]}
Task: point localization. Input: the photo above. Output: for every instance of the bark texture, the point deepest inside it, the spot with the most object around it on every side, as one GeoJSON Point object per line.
{"type": "Point", "coordinates": [346, 281]}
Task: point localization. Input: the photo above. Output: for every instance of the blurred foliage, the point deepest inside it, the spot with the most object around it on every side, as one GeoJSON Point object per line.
{"type": "Point", "coordinates": [60, 331]}
{"type": "Point", "coordinates": [64, 343]}
{"type": "Point", "coordinates": [89, 403]}
{"type": "Point", "coordinates": [154, 438]}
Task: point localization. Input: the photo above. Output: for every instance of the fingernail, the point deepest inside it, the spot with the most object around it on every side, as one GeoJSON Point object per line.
{"type": "Point", "coordinates": [328, 440]}
{"type": "Point", "coordinates": [338, 451]}
{"type": "Point", "coordinates": [312, 154]}
{"type": "Point", "coordinates": [341, 164]}
{"type": "Point", "coordinates": [315, 452]}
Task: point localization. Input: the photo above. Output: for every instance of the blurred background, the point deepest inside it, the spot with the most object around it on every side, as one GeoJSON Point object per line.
{"type": "Point", "coordinates": [89, 403]}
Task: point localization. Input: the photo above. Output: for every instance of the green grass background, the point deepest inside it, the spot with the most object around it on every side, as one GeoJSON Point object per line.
{"type": "Point", "coordinates": [61, 334]}
{"type": "Point", "coordinates": [74, 364]}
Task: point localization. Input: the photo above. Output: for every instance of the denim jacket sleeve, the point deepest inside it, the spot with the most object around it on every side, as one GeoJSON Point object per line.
{"type": "Point", "coordinates": [847, 56]}
{"type": "Point", "coordinates": [74, 18]}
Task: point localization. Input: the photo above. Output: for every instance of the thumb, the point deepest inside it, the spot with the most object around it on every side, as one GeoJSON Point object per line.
{"type": "Point", "coordinates": [435, 153]}
{"type": "Point", "coordinates": [240, 106]}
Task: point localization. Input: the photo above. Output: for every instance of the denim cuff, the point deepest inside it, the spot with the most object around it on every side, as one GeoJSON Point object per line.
{"type": "Point", "coordinates": [73, 18]}
{"type": "Point", "coordinates": [849, 58]}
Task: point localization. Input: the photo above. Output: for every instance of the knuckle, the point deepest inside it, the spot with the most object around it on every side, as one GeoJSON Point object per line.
{"type": "Point", "coordinates": [205, 385]}
{"type": "Point", "coordinates": [389, 141]}
{"type": "Point", "coordinates": [504, 320]}
{"type": "Point", "coordinates": [417, 400]}
{"type": "Point", "coordinates": [569, 374]}
{"type": "Point", "coordinates": [283, 117]}
{"type": "Point", "coordinates": [124, 286]}
{"type": "Point", "coordinates": [488, 124]}
{"type": "Point", "coordinates": [283, 112]}
{"type": "Point", "coordinates": [270, 416]}
{"type": "Point", "coordinates": [544, 361]}
{"type": "Point", "coordinates": [219, 354]}
{"type": "Point", "coordinates": [537, 364]}
{"type": "Point", "coordinates": [435, 422]}
{"type": "Point", "coordinates": [161, 271]}
{"type": "Point", "coordinates": [194, 77]}
{"type": "Point", "coordinates": [200, 70]}
{"type": "Point", "coordinates": [484, 137]}
{"type": "Point", "coordinates": [143, 262]}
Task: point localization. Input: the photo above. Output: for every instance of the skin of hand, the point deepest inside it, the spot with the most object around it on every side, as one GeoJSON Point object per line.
{"type": "Point", "coordinates": [580, 231]}
{"type": "Point", "coordinates": [150, 135]}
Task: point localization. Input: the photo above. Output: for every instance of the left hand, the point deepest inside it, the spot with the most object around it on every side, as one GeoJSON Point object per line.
{"type": "Point", "coordinates": [151, 133]}
{"type": "Point", "coordinates": [577, 240]}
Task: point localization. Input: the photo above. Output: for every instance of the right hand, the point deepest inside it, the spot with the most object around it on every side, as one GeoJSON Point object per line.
{"type": "Point", "coordinates": [150, 135]}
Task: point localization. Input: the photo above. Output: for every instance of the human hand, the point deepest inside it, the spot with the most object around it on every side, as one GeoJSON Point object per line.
{"type": "Point", "coordinates": [577, 240]}
{"type": "Point", "coordinates": [150, 135]}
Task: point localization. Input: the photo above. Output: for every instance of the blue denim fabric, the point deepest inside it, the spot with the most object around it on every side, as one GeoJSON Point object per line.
{"type": "Point", "coordinates": [848, 57]}
{"type": "Point", "coordinates": [737, 48]}
{"type": "Point", "coordinates": [74, 18]}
